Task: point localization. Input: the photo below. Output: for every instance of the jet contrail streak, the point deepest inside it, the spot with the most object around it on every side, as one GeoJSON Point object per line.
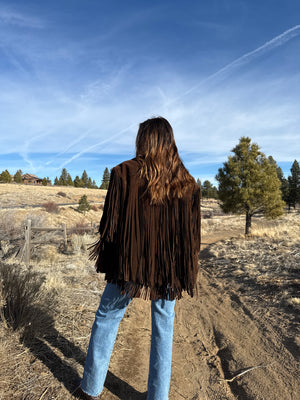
{"type": "Point", "coordinates": [96, 145]}
{"type": "Point", "coordinates": [70, 145]}
{"type": "Point", "coordinates": [246, 58]}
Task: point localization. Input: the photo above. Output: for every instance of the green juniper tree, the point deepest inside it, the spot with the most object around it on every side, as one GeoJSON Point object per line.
{"type": "Point", "coordinates": [94, 186]}
{"type": "Point", "coordinates": [63, 177]}
{"type": "Point", "coordinates": [18, 176]}
{"type": "Point", "coordinates": [84, 205]}
{"type": "Point", "coordinates": [89, 184]}
{"type": "Point", "coordinates": [284, 182]}
{"type": "Point", "coordinates": [69, 181]}
{"type": "Point", "coordinates": [5, 177]}
{"type": "Point", "coordinates": [105, 179]}
{"type": "Point", "coordinates": [85, 179]}
{"type": "Point", "coordinates": [248, 183]}
{"type": "Point", "coordinates": [208, 190]}
{"type": "Point", "coordinates": [294, 184]}
{"type": "Point", "coordinates": [78, 182]}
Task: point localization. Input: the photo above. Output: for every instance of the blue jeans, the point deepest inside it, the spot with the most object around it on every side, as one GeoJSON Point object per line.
{"type": "Point", "coordinates": [108, 316]}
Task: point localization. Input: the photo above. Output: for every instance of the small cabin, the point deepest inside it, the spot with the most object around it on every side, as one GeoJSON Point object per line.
{"type": "Point", "coordinates": [30, 179]}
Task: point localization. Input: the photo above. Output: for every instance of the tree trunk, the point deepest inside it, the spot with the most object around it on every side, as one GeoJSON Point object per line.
{"type": "Point", "coordinates": [248, 223]}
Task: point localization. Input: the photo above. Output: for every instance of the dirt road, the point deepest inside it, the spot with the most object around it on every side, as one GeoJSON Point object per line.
{"type": "Point", "coordinates": [216, 337]}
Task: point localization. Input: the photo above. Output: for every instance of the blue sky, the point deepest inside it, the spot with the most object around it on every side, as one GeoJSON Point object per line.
{"type": "Point", "coordinates": [77, 78]}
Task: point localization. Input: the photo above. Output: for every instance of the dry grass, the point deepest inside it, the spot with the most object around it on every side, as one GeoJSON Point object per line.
{"type": "Point", "coordinates": [47, 365]}
{"type": "Point", "coordinates": [23, 195]}
{"type": "Point", "coordinates": [264, 268]}
{"type": "Point", "coordinates": [287, 227]}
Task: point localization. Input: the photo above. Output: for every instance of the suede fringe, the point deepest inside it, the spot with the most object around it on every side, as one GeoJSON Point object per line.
{"type": "Point", "coordinates": [150, 251]}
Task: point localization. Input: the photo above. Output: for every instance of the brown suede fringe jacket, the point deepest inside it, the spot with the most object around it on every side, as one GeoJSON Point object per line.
{"type": "Point", "coordinates": [149, 251]}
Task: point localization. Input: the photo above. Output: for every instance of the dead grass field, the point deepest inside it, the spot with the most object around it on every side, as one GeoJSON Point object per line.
{"type": "Point", "coordinates": [246, 314]}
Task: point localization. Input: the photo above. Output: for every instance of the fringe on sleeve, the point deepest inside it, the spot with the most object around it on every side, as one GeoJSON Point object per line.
{"type": "Point", "coordinates": [109, 221]}
{"type": "Point", "coordinates": [190, 240]}
{"type": "Point", "coordinates": [196, 215]}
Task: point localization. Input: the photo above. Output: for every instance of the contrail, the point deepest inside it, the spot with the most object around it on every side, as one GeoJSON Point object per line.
{"type": "Point", "coordinates": [96, 145]}
{"type": "Point", "coordinates": [24, 152]}
{"type": "Point", "coordinates": [71, 145]}
{"type": "Point", "coordinates": [246, 58]}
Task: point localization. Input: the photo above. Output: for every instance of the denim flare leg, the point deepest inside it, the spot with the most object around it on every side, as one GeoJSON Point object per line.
{"type": "Point", "coordinates": [109, 314]}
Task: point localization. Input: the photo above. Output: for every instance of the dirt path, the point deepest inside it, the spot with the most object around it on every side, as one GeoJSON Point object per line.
{"type": "Point", "coordinates": [216, 337]}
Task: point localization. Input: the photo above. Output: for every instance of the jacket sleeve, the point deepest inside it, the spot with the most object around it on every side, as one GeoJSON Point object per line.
{"type": "Point", "coordinates": [196, 216]}
{"type": "Point", "coordinates": [110, 217]}
{"type": "Point", "coordinates": [109, 222]}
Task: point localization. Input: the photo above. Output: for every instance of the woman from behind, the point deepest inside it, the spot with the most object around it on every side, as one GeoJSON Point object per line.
{"type": "Point", "coordinates": [148, 247]}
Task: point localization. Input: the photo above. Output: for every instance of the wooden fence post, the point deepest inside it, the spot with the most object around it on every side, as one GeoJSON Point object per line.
{"type": "Point", "coordinates": [27, 241]}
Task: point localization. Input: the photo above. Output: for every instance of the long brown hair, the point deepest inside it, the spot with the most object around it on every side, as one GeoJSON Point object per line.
{"type": "Point", "coordinates": [160, 164]}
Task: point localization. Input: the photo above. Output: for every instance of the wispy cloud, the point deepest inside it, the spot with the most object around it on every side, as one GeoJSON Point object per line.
{"type": "Point", "coordinates": [96, 145]}
{"type": "Point", "coordinates": [10, 17]}
{"type": "Point", "coordinates": [71, 92]}
{"type": "Point", "coordinates": [243, 60]}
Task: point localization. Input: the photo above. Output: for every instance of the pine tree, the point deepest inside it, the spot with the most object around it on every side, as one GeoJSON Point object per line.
{"type": "Point", "coordinates": [85, 178]}
{"type": "Point", "coordinates": [84, 205]}
{"type": "Point", "coordinates": [89, 184]}
{"type": "Point", "coordinates": [56, 181]}
{"type": "Point", "coordinates": [284, 182]}
{"type": "Point", "coordinates": [105, 179]}
{"type": "Point", "coordinates": [44, 182]}
{"type": "Point", "coordinates": [18, 176]}
{"type": "Point", "coordinates": [199, 183]}
{"type": "Point", "coordinates": [63, 177]}
{"type": "Point", "coordinates": [248, 183]}
{"type": "Point", "coordinates": [78, 182]}
{"type": "Point", "coordinates": [285, 192]}
{"type": "Point", "coordinates": [208, 190]}
{"type": "Point", "coordinates": [294, 184]}
{"type": "Point", "coordinates": [5, 177]}
{"type": "Point", "coordinates": [94, 186]}
{"type": "Point", "coordinates": [69, 181]}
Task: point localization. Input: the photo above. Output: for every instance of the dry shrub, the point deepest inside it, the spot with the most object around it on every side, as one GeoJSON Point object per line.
{"type": "Point", "coordinates": [4, 247]}
{"type": "Point", "coordinates": [36, 220]}
{"type": "Point", "coordinates": [80, 228]}
{"type": "Point", "coordinates": [50, 255]}
{"type": "Point", "coordinates": [101, 207]}
{"type": "Point", "coordinates": [94, 208]}
{"type": "Point", "coordinates": [8, 226]}
{"type": "Point", "coordinates": [51, 207]}
{"type": "Point", "coordinates": [80, 242]}
{"type": "Point", "coordinates": [25, 303]}
{"type": "Point", "coordinates": [62, 194]}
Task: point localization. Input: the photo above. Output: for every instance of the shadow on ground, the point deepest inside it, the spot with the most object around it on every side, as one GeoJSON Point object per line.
{"type": "Point", "coordinates": [41, 345]}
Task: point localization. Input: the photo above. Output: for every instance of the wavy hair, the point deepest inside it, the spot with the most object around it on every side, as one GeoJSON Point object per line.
{"type": "Point", "coordinates": [160, 164]}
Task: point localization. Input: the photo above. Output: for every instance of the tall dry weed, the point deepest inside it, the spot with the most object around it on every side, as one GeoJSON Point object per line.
{"type": "Point", "coordinates": [25, 303]}
{"type": "Point", "coordinates": [80, 242]}
{"type": "Point", "coordinates": [286, 228]}
{"type": "Point", "coordinates": [8, 225]}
